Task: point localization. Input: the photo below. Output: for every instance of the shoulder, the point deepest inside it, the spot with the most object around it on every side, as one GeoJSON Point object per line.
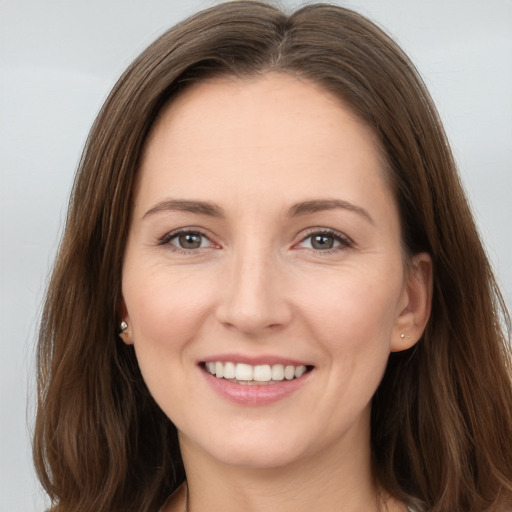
{"type": "Point", "coordinates": [176, 501]}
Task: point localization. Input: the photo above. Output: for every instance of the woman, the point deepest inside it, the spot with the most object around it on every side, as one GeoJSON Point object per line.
{"type": "Point", "coordinates": [270, 292]}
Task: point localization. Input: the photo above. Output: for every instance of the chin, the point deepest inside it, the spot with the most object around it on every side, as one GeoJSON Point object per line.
{"type": "Point", "coordinates": [257, 458]}
{"type": "Point", "coordinates": [251, 451]}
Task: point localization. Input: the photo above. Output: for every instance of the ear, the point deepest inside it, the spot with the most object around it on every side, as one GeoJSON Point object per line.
{"type": "Point", "coordinates": [125, 330]}
{"type": "Point", "coordinates": [415, 304]}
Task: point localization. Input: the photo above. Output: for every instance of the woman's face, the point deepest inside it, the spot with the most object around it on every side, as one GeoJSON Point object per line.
{"type": "Point", "coordinates": [265, 244]}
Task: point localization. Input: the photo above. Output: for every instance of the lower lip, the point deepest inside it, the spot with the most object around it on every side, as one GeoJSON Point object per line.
{"type": "Point", "coordinates": [253, 394]}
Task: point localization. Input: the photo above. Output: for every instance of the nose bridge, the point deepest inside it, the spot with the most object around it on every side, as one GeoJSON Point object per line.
{"type": "Point", "coordinates": [254, 297]}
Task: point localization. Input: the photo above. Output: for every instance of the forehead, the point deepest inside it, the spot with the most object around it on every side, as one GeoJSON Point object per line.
{"type": "Point", "coordinates": [270, 132]}
{"type": "Point", "coordinates": [254, 101]}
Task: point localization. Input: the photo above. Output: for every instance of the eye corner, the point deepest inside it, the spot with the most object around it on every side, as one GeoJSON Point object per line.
{"type": "Point", "coordinates": [324, 240]}
{"type": "Point", "coordinates": [188, 240]}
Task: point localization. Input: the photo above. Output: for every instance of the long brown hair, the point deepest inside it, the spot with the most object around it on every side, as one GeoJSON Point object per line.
{"type": "Point", "coordinates": [441, 418]}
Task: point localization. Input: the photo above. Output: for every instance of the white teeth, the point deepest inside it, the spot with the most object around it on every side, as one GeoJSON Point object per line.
{"type": "Point", "coordinates": [258, 373]}
{"type": "Point", "coordinates": [300, 371]}
{"type": "Point", "coordinates": [278, 372]}
{"type": "Point", "coordinates": [289, 372]}
{"type": "Point", "coordinates": [229, 370]}
{"type": "Point", "coordinates": [262, 373]}
{"type": "Point", "coordinates": [242, 371]}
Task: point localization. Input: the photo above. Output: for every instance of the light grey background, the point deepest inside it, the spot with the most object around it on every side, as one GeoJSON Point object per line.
{"type": "Point", "coordinates": [59, 59]}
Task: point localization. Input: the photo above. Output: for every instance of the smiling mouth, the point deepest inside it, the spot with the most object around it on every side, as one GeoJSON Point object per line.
{"type": "Point", "coordinates": [259, 375]}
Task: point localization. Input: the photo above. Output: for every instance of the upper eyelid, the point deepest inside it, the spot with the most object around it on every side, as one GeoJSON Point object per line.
{"type": "Point", "coordinates": [179, 231]}
{"type": "Point", "coordinates": [329, 231]}
{"type": "Point", "coordinates": [300, 237]}
{"type": "Point", "coordinates": [188, 229]}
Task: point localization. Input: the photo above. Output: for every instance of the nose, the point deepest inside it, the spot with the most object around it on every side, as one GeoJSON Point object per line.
{"type": "Point", "coordinates": [253, 298]}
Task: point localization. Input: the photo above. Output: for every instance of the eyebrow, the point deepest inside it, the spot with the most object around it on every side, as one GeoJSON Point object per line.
{"type": "Point", "coordinates": [319, 205]}
{"type": "Point", "coordinates": [182, 205]}
{"type": "Point", "coordinates": [297, 210]}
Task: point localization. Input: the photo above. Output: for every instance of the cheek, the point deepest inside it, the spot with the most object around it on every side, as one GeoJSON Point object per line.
{"type": "Point", "coordinates": [352, 321]}
{"type": "Point", "coordinates": [353, 310]}
{"type": "Point", "coordinates": [166, 311]}
{"type": "Point", "coordinates": [165, 308]}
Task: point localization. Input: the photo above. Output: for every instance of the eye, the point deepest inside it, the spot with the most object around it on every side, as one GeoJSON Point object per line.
{"type": "Point", "coordinates": [325, 241]}
{"type": "Point", "coordinates": [187, 240]}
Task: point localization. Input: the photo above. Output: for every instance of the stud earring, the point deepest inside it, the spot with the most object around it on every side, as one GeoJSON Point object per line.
{"type": "Point", "coordinates": [402, 335]}
{"type": "Point", "coordinates": [123, 326]}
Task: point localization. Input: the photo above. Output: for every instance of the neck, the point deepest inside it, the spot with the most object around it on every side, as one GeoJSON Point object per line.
{"type": "Point", "coordinates": [339, 474]}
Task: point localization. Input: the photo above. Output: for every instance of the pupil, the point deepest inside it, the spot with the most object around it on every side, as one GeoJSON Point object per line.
{"type": "Point", "coordinates": [322, 242]}
{"type": "Point", "coordinates": [190, 241]}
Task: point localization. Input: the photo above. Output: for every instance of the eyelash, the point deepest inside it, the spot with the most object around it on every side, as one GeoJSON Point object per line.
{"type": "Point", "coordinates": [166, 240]}
{"type": "Point", "coordinates": [343, 241]}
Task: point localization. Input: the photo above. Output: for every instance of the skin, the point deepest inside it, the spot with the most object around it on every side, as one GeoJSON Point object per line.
{"type": "Point", "coordinates": [257, 285]}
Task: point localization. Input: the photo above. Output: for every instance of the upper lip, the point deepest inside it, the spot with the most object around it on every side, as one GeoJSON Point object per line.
{"type": "Point", "coordinates": [254, 360]}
